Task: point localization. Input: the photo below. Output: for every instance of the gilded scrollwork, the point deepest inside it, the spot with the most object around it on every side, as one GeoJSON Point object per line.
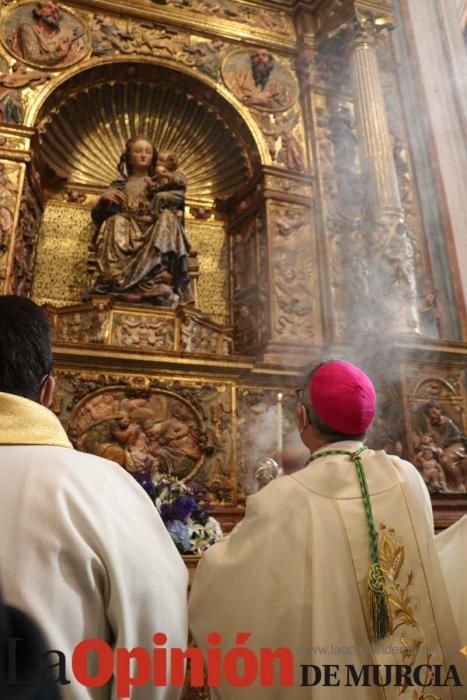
{"type": "Point", "coordinates": [111, 35]}
{"type": "Point", "coordinates": [74, 196]}
{"type": "Point", "coordinates": [206, 56]}
{"type": "Point", "coordinates": [392, 257]}
{"type": "Point", "coordinates": [15, 143]}
{"type": "Point", "coordinates": [326, 69]}
{"type": "Point", "coordinates": [146, 329]}
{"type": "Point", "coordinates": [270, 19]}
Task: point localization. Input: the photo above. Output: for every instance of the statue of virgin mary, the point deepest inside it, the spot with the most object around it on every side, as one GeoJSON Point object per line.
{"type": "Point", "coordinates": [140, 245]}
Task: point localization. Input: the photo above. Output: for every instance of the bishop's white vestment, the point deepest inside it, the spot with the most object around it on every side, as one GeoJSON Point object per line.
{"type": "Point", "coordinates": [83, 550]}
{"type": "Point", "coordinates": [294, 574]}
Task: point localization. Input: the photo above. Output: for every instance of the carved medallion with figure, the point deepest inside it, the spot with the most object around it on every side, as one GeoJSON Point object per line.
{"type": "Point", "coordinates": [45, 35]}
{"type": "Point", "coordinates": [259, 80]}
{"type": "Point", "coordinates": [152, 425]}
{"type": "Point", "coordinates": [155, 433]}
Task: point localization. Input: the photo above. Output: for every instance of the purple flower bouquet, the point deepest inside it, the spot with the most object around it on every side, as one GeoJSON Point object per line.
{"type": "Point", "coordinates": [190, 527]}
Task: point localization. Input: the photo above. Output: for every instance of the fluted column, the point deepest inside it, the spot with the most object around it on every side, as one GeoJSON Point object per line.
{"type": "Point", "coordinates": [391, 254]}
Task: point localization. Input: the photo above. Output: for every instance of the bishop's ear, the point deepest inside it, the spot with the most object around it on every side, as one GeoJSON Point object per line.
{"type": "Point", "coordinates": [302, 417]}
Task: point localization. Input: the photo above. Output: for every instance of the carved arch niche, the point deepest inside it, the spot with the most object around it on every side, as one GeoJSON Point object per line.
{"type": "Point", "coordinates": [82, 127]}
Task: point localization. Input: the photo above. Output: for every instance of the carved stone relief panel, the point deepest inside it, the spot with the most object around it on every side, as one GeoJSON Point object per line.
{"type": "Point", "coordinates": [285, 136]}
{"type": "Point", "coordinates": [295, 273]}
{"type": "Point", "coordinates": [345, 236]}
{"type": "Point", "coordinates": [435, 397]}
{"type": "Point", "coordinates": [249, 256]}
{"type": "Point", "coordinates": [27, 230]}
{"type": "Point", "coordinates": [146, 329]}
{"type": "Point", "coordinates": [143, 331]}
{"type": "Point", "coordinates": [280, 183]}
{"type": "Point", "coordinates": [151, 426]}
{"type": "Point", "coordinates": [327, 69]}
{"type": "Point", "coordinates": [429, 310]}
{"type": "Point", "coordinates": [16, 85]}
{"type": "Point", "coordinates": [87, 325]}
{"type": "Point", "coordinates": [272, 20]}
{"type": "Point", "coordinates": [203, 338]}
{"type": "Point", "coordinates": [10, 177]}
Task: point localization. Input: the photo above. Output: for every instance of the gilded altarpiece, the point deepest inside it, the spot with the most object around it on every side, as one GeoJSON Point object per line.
{"type": "Point", "coordinates": [301, 208]}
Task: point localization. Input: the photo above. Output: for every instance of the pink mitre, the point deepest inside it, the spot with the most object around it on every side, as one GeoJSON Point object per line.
{"type": "Point", "coordinates": [343, 397]}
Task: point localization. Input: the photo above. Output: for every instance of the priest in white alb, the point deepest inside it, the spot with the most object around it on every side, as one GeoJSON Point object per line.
{"type": "Point", "coordinates": [83, 550]}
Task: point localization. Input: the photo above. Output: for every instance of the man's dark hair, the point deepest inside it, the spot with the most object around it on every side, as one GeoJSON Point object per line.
{"type": "Point", "coordinates": [25, 347]}
{"type": "Point", "coordinates": [315, 420]}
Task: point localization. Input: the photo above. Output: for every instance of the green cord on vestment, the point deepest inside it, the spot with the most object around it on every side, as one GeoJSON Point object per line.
{"type": "Point", "coordinates": [380, 616]}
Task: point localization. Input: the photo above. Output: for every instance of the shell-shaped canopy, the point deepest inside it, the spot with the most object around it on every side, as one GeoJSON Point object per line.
{"type": "Point", "coordinates": [83, 135]}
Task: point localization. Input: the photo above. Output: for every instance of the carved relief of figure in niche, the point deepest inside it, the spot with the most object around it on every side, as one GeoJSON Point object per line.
{"type": "Point", "coordinates": [140, 245]}
{"type": "Point", "coordinates": [440, 435]}
{"type": "Point", "coordinates": [292, 153]}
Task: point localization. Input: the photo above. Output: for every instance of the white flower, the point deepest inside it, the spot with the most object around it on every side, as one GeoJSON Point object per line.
{"type": "Point", "coordinates": [213, 530]}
